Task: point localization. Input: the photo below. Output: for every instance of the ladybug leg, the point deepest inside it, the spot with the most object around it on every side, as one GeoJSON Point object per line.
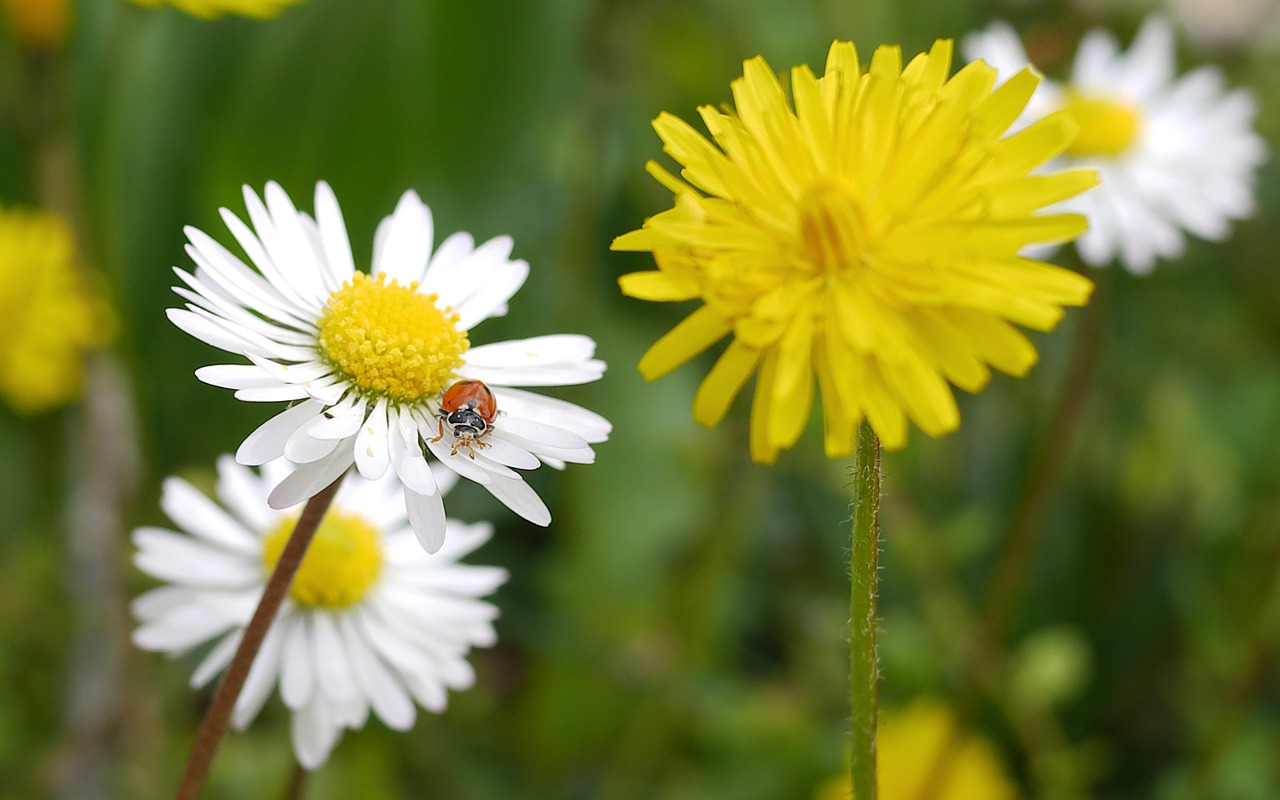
{"type": "Point", "coordinates": [441, 436]}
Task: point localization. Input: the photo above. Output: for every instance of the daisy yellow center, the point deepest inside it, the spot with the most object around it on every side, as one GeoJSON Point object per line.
{"type": "Point", "coordinates": [832, 230]}
{"type": "Point", "coordinates": [1107, 127]}
{"type": "Point", "coordinates": [342, 562]}
{"type": "Point", "coordinates": [391, 340]}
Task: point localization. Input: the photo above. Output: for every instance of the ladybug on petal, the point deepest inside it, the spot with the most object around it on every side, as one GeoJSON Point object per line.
{"type": "Point", "coordinates": [469, 408]}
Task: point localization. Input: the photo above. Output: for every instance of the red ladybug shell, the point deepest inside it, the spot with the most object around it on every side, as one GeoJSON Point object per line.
{"type": "Point", "coordinates": [471, 394]}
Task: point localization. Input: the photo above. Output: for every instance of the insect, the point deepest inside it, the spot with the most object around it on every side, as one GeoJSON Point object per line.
{"type": "Point", "coordinates": [469, 408]}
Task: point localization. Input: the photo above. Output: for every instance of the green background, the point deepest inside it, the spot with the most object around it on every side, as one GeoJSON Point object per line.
{"type": "Point", "coordinates": [679, 631]}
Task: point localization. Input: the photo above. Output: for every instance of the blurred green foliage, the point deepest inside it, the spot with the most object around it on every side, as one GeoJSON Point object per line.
{"type": "Point", "coordinates": [678, 632]}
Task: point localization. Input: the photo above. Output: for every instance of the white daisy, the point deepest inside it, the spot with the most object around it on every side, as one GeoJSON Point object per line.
{"type": "Point", "coordinates": [371, 621]}
{"type": "Point", "coordinates": [366, 357]}
{"type": "Point", "coordinates": [1173, 153]}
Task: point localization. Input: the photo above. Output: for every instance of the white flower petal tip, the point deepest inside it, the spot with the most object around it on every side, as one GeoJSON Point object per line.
{"type": "Point", "coordinates": [273, 301]}
{"type": "Point", "coordinates": [387, 643]}
{"type": "Point", "coordinates": [1176, 155]}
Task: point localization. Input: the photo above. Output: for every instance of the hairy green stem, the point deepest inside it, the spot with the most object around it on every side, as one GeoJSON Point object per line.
{"type": "Point", "coordinates": [864, 670]}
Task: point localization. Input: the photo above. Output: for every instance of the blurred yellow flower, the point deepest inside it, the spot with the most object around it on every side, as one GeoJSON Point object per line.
{"type": "Point", "coordinates": [210, 9]}
{"type": "Point", "coordinates": [43, 23]}
{"type": "Point", "coordinates": [870, 236]}
{"type": "Point", "coordinates": [48, 318]}
{"type": "Point", "coordinates": [923, 753]}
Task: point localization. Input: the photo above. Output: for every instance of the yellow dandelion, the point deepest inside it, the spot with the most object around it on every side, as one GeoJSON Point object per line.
{"type": "Point", "coordinates": [211, 9]}
{"type": "Point", "coordinates": [923, 753]}
{"type": "Point", "coordinates": [865, 228]}
{"type": "Point", "coordinates": [47, 317]}
{"type": "Point", "coordinates": [42, 23]}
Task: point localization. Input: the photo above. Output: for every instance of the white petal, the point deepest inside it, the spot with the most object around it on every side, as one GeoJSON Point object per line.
{"type": "Point", "coordinates": [297, 674]}
{"type": "Point", "coordinates": [315, 731]}
{"type": "Point", "coordinates": [180, 559]}
{"type": "Point", "coordinates": [308, 479]}
{"type": "Point", "coordinates": [273, 394]}
{"type": "Point", "coordinates": [303, 448]}
{"type": "Point", "coordinates": [549, 375]}
{"type": "Point", "coordinates": [261, 679]}
{"type": "Point", "coordinates": [538, 434]}
{"type": "Point", "coordinates": [384, 691]}
{"type": "Point", "coordinates": [466, 467]}
{"type": "Point", "coordinates": [268, 441]}
{"type": "Point", "coordinates": [407, 457]}
{"type": "Point", "coordinates": [426, 516]}
{"type": "Point", "coordinates": [372, 453]}
{"type": "Point", "coordinates": [502, 451]}
{"type": "Point", "coordinates": [404, 240]}
{"type": "Point", "coordinates": [199, 515]}
{"type": "Point", "coordinates": [553, 411]}
{"type": "Point", "coordinates": [236, 376]}
{"type": "Point", "coordinates": [343, 419]}
{"type": "Point", "coordinates": [520, 498]}
{"type": "Point", "coordinates": [244, 494]}
{"type": "Point", "coordinates": [333, 667]}
{"type": "Point", "coordinates": [333, 233]}
{"type": "Point", "coordinates": [447, 275]}
{"type": "Point", "coordinates": [217, 659]}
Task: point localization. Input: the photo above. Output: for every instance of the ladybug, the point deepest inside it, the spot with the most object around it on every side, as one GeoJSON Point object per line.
{"type": "Point", "coordinates": [469, 408]}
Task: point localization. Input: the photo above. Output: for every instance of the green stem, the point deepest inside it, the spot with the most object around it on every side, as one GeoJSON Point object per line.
{"type": "Point", "coordinates": [864, 671]}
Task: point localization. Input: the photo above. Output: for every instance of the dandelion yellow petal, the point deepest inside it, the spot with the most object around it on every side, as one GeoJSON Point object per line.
{"type": "Point", "coordinates": [695, 333]}
{"type": "Point", "coordinates": [1025, 195]}
{"type": "Point", "coordinates": [702, 161]}
{"type": "Point", "coordinates": [839, 419]}
{"type": "Point", "coordinates": [945, 346]}
{"type": "Point", "coordinates": [996, 113]}
{"type": "Point", "coordinates": [762, 449]}
{"type": "Point", "coordinates": [662, 176]}
{"type": "Point", "coordinates": [883, 412]}
{"type": "Point", "coordinates": [928, 71]}
{"type": "Point", "coordinates": [793, 383]}
{"type": "Point", "coordinates": [926, 395]}
{"type": "Point", "coordinates": [996, 341]}
{"type": "Point", "coordinates": [1031, 147]}
{"type": "Point", "coordinates": [723, 383]}
{"type": "Point", "coordinates": [657, 286]}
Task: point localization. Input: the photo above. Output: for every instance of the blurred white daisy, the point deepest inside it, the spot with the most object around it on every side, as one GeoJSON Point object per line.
{"type": "Point", "coordinates": [367, 356]}
{"type": "Point", "coordinates": [1174, 154]}
{"type": "Point", "coordinates": [371, 621]}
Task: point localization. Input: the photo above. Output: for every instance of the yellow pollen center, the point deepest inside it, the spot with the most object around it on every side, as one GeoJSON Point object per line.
{"type": "Point", "coordinates": [343, 561]}
{"type": "Point", "coordinates": [389, 339]}
{"type": "Point", "coordinates": [1107, 127]}
{"type": "Point", "coordinates": [832, 229]}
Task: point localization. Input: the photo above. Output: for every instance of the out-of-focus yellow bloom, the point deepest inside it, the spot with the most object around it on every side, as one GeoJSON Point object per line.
{"type": "Point", "coordinates": [48, 318]}
{"type": "Point", "coordinates": [42, 23]}
{"type": "Point", "coordinates": [210, 9]}
{"type": "Point", "coordinates": [923, 753]}
{"type": "Point", "coordinates": [866, 227]}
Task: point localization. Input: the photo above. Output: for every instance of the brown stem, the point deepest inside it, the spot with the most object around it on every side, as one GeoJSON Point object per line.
{"type": "Point", "coordinates": [1009, 576]}
{"type": "Point", "coordinates": [297, 783]}
{"type": "Point", "coordinates": [214, 724]}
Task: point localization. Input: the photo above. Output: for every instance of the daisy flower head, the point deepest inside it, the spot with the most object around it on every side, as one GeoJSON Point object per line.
{"type": "Point", "coordinates": [211, 9]}
{"type": "Point", "coordinates": [370, 622]}
{"type": "Point", "coordinates": [368, 359]}
{"type": "Point", "coordinates": [925, 753]}
{"type": "Point", "coordinates": [49, 319]}
{"type": "Point", "coordinates": [864, 226]}
{"type": "Point", "coordinates": [1176, 155]}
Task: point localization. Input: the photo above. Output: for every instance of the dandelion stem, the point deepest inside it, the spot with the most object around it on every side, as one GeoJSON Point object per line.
{"type": "Point", "coordinates": [864, 671]}
{"type": "Point", "coordinates": [214, 724]}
